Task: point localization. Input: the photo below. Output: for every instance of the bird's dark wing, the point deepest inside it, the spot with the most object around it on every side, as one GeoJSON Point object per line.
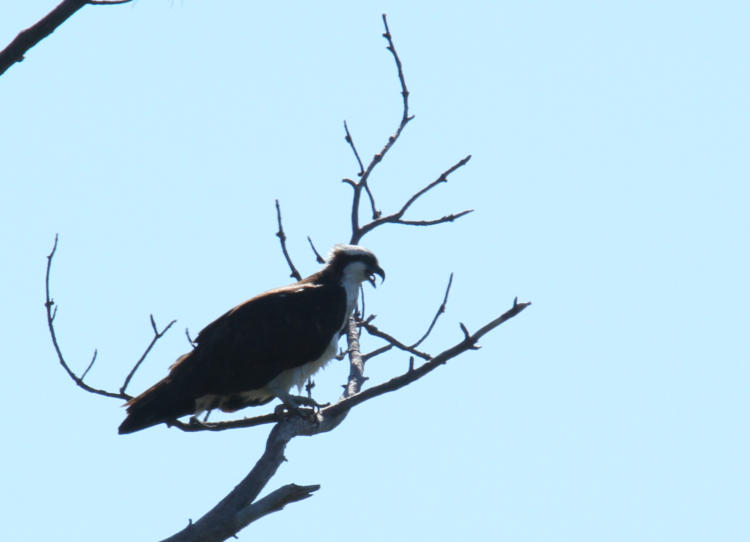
{"type": "Point", "coordinates": [244, 349]}
{"type": "Point", "coordinates": [255, 341]}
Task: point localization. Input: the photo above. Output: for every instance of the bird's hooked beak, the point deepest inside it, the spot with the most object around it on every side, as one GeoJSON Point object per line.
{"type": "Point", "coordinates": [375, 270]}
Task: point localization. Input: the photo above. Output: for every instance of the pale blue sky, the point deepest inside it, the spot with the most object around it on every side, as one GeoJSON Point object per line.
{"type": "Point", "coordinates": [609, 177]}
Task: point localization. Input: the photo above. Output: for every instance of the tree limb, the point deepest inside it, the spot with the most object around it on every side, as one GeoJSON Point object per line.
{"type": "Point", "coordinates": [48, 304]}
{"type": "Point", "coordinates": [28, 38]}
{"type": "Point", "coordinates": [364, 175]}
{"type": "Point", "coordinates": [51, 309]}
{"type": "Point", "coordinates": [395, 218]}
{"type": "Point", "coordinates": [273, 502]}
{"type": "Point", "coordinates": [468, 343]}
{"type": "Point", "coordinates": [282, 239]}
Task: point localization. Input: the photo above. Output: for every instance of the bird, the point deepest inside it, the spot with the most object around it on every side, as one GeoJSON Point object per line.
{"type": "Point", "coordinates": [262, 348]}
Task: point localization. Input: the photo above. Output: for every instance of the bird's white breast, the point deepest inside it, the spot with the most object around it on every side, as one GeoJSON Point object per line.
{"type": "Point", "coordinates": [297, 376]}
{"type": "Point", "coordinates": [354, 274]}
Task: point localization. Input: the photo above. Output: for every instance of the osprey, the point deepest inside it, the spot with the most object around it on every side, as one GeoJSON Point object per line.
{"type": "Point", "coordinates": [262, 348]}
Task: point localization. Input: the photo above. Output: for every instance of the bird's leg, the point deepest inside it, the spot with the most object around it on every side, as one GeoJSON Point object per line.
{"type": "Point", "coordinates": [196, 422]}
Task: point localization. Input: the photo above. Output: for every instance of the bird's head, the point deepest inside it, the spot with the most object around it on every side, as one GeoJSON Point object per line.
{"type": "Point", "coordinates": [355, 263]}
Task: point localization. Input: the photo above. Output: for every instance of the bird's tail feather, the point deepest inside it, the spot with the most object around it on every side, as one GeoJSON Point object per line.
{"type": "Point", "coordinates": [156, 405]}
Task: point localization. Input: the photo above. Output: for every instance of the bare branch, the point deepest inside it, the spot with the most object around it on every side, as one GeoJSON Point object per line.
{"type": "Point", "coordinates": [365, 175]}
{"type": "Point", "coordinates": [468, 343]}
{"type": "Point", "coordinates": [93, 359]}
{"type": "Point", "coordinates": [190, 339]}
{"type": "Point", "coordinates": [404, 90]}
{"type": "Point", "coordinates": [318, 257]}
{"type": "Point", "coordinates": [378, 351]}
{"type": "Point", "coordinates": [442, 220]}
{"type": "Point", "coordinates": [395, 218]}
{"type": "Point", "coordinates": [79, 380]}
{"type": "Point", "coordinates": [375, 332]}
{"type": "Point", "coordinates": [361, 172]}
{"type": "Point", "coordinates": [28, 38]}
{"type": "Point", "coordinates": [349, 140]}
{"type": "Point", "coordinates": [273, 502]}
{"type": "Point", "coordinates": [48, 304]}
{"type": "Point", "coordinates": [157, 335]}
{"type": "Point", "coordinates": [282, 238]}
{"type": "Point", "coordinates": [441, 310]}
{"type": "Point", "coordinates": [442, 179]}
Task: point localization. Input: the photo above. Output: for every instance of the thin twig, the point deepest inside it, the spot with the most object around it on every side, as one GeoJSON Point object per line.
{"type": "Point", "coordinates": [190, 339]}
{"type": "Point", "coordinates": [93, 359]}
{"type": "Point", "coordinates": [375, 212]}
{"type": "Point", "coordinates": [157, 335]}
{"type": "Point", "coordinates": [443, 178]}
{"type": "Point", "coordinates": [348, 138]}
{"type": "Point", "coordinates": [378, 351]}
{"type": "Point", "coordinates": [282, 238]}
{"type": "Point", "coordinates": [441, 310]}
{"type": "Point", "coordinates": [361, 172]}
{"type": "Point", "coordinates": [404, 91]}
{"type": "Point", "coordinates": [441, 220]}
{"type": "Point", "coordinates": [375, 332]}
{"type": "Point", "coordinates": [318, 257]}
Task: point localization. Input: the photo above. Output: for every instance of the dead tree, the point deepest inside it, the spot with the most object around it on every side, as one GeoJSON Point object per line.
{"type": "Point", "coordinates": [242, 506]}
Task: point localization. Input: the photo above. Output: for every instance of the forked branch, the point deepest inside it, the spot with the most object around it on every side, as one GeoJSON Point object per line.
{"type": "Point", "coordinates": [51, 309]}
